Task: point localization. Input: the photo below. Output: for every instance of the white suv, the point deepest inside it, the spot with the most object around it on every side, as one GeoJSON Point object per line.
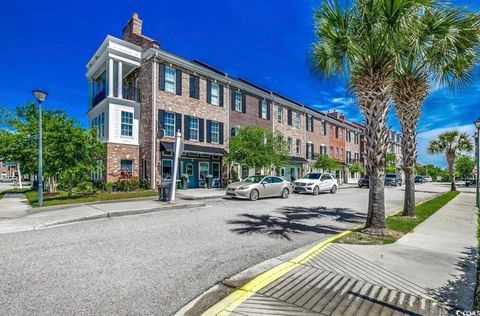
{"type": "Point", "coordinates": [315, 182]}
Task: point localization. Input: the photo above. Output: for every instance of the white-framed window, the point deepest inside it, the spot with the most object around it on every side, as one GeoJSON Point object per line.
{"type": "Point", "coordinates": [215, 93]}
{"type": "Point", "coordinates": [214, 132]}
{"type": "Point", "coordinates": [102, 124]}
{"type": "Point", "coordinates": [193, 125]}
{"type": "Point", "coordinates": [279, 114]}
{"type": "Point", "coordinates": [126, 128]}
{"type": "Point", "coordinates": [298, 147]}
{"type": "Point", "coordinates": [203, 170]}
{"type": "Point", "coordinates": [264, 109]}
{"type": "Point", "coordinates": [309, 151]}
{"type": "Point", "coordinates": [356, 138]}
{"type": "Point", "coordinates": [323, 149]}
{"type": "Point", "coordinates": [357, 156]}
{"type": "Point", "coordinates": [324, 128]}
{"type": "Point", "coordinates": [97, 171]}
{"type": "Point", "coordinates": [238, 101]}
{"type": "Point", "coordinates": [169, 124]}
{"type": "Point", "coordinates": [170, 79]}
{"type": "Point", "coordinates": [349, 156]}
{"type": "Point", "coordinates": [289, 145]}
{"type": "Point", "coordinates": [297, 119]}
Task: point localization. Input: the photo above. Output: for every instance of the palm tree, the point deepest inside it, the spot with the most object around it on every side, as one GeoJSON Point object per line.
{"type": "Point", "coordinates": [359, 43]}
{"type": "Point", "coordinates": [441, 50]}
{"type": "Point", "coordinates": [451, 143]}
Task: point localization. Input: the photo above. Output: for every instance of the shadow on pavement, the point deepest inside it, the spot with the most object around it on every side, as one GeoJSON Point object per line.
{"type": "Point", "coordinates": [458, 293]}
{"type": "Point", "coordinates": [290, 221]}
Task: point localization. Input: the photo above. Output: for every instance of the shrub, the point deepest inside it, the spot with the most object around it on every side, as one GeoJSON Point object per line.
{"type": "Point", "coordinates": [85, 187]}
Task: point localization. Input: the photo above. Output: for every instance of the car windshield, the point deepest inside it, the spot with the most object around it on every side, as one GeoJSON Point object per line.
{"type": "Point", "coordinates": [254, 179]}
{"type": "Point", "coordinates": [390, 175]}
{"type": "Point", "coordinates": [418, 177]}
{"type": "Point", "coordinates": [312, 176]}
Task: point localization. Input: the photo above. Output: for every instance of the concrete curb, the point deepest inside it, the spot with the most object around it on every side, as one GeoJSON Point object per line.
{"type": "Point", "coordinates": [128, 212]}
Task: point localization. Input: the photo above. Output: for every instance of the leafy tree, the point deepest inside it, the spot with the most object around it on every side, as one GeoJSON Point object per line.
{"type": "Point", "coordinates": [391, 160]}
{"type": "Point", "coordinates": [356, 167]}
{"type": "Point", "coordinates": [451, 143]}
{"type": "Point", "coordinates": [326, 163]}
{"type": "Point", "coordinates": [69, 151]}
{"type": "Point", "coordinates": [465, 164]}
{"type": "Point", "coordinates": [360, 42]}
{"type": "Point", "coordinates": [443, 49]}
{"type": "Point", "coordinates": [256, 147]}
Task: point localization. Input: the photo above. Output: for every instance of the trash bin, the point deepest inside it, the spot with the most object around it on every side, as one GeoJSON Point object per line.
{"type": "Point", "coordinates": [164, 191]}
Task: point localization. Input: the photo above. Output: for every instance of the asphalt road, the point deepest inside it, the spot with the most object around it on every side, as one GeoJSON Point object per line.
{"type": "Point", "coordinates": [156, 263]}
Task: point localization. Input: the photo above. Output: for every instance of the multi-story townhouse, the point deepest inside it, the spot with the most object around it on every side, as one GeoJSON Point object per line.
{"type": "Point", "coordinates": [395, 147]}
{"type": "Point", "coordinates": [142, 95]}
{"type": "Point", "coordinates": [8, 169]}
{"type": "Point", "coordinates": [336, 140]}
{"type": "Point", "coordinates": [352, 150]}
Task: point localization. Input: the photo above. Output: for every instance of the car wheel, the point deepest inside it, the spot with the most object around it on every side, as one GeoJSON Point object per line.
{"type": "Point", "coordinates": [285, 193]}
{"type": "Point", "coordinates": [254, 195]}
{"type": "Point", "coordinates": [316, 190]}
{"type": "Point", "coordinates": [333, 190]}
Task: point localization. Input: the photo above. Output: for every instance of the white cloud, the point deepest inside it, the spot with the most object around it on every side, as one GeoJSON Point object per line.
{"type": "Point", "coordinates": [425, 137]}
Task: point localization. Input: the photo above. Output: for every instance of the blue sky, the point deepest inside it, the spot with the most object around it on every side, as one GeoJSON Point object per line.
{"type": "Point", "coordinates": [47, 44]}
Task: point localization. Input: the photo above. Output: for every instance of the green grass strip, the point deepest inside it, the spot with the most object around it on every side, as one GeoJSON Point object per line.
{"type": "Point", "coordinates": [2, 194]}
{"type": "Point", "coordinates": [61, 197]}
{"type": "Point", "coordinates": [399, 225]}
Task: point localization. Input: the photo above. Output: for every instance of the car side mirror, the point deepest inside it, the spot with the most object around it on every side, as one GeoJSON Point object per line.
{"type": "Point", "coordinates": [264, 182]}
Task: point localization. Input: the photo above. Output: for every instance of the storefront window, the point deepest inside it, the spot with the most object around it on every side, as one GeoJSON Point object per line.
{"type": "Point", "coordinates": [203, 170]}
{"type": "Point", "coordinates": [216, 170]}
{"type": "Point", "coordinates": [167, 169]}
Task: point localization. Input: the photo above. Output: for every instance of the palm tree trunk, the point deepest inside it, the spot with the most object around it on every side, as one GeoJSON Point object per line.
{"type": "Point", "coordinates": [409, 92]}
{"type": "Point", "coordinates": [373, 97]}
{"type": "Point", "coordinates": [451, 170]}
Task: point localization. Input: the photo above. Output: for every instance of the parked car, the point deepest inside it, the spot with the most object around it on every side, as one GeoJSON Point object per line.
{"type": "Point", "coordinates": [394, 179]}
{"type": "Point", "coordinates": [420, 179]}
{"type": "Point", "coordinates": [315, 183]}
{"type": "Point", "coordinates": [427, 178]}
{"type": "Point", "coordinates": [255, 187]}
{"type": "Point", "coordinates": [364, 182]}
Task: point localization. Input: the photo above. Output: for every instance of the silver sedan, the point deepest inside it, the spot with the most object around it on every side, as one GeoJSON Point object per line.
{"type": "Point", "coordinates": [255, 187]}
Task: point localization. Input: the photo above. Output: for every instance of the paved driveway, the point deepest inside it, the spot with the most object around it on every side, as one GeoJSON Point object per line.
{"type": "Point", "coordinates": [156, 263]}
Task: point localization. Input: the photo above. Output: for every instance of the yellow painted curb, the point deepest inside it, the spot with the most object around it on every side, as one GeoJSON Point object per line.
{"type": "Point", "coordinates": [237, 297]}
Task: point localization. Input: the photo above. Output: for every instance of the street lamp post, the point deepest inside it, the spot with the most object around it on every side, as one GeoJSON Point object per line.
{"type": "Point", "coordinates": [477, 155]}
{"type": "Point", "coordinates": [40, 95]}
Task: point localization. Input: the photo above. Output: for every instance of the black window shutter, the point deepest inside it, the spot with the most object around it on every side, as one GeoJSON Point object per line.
{"type": "Point", "coordinates": [289, 117]}
{"type": "Point", "coordinates": [197, 87]}
{"type": "Point", "coordinates": [220, 91]}
{"type": "Point", "coordinates": [306, 150]}
{"type": "Point", "coordinates": [312, 150]}
{"type": "Point", "coordinates": [220, 133]}
{"type": "Point", "coordinates": [161, 115]}
{"type": "Point", "coordinates": [186, 127]}
{"type": "Point", "coordinates": [268, 110]}
{"type": "Point", "coordinates": [244, 102]}
{"type": "Point", "coordinates": [201, 129]}
{"type": "Point", "coordinates": [161, 76]}
{"type": "Point", "coordinates": [232, 99]}
{"type": "Point", "coordinates": [179, 81]}
{"type": "Point", "coordinates": [178, 122]}
{"type": "Point", "coordinates": [209, 91]}
{"type": "Point", "coordinates": [259, 108]}
{"type": "Point", "coordinates": [311, 125]}
{"type": "Point", "coordinates": [306, 122]}
{"type": "Point", "coordinates": [193, 86]}
{"type": "Point", "coordinates": [232, 131]}
{"type": "Point", "coordinates": [209, 131]}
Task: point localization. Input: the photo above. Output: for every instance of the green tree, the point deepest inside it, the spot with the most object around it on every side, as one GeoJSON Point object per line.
{"type": "Point", "coordinates": [326, 163]}
{"type": "Point", "coordinates": [360, 42]}
{"type": "Point", "coordinates": [69, 151]}
{"type": "Point", "coordinates": [451, 143]}
{"type": "Point", "coordinates": [356, 167]}
{"type": "Point", "coordinates": [443, 49]}
{"type": "Point", "coordinates": [256, 147]}
{"type": "Point", "coordinates": [465, 164]}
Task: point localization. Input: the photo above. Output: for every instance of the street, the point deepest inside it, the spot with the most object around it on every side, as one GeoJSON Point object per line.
{"type": "Point", "coordinates": [156, 263]}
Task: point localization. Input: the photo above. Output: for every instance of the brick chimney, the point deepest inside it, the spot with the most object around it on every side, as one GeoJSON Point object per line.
{"type": "Point", "coordinates": [132, 32]}
{"type": "Point", "coordinates": [134, 26]}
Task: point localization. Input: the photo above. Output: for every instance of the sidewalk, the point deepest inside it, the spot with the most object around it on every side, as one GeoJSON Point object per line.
{"type": "Point", "coordinates": [14, 205]}
{"type": "Point", "coordinates": [431, 271]}
{"type": "Point", "coordinates": [38, 218]}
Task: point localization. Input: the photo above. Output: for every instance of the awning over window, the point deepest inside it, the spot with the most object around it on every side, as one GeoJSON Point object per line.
{"type": "Point", "coordinates": [298, 159]}
{"type": "Point", "coordinates": [189, 148]}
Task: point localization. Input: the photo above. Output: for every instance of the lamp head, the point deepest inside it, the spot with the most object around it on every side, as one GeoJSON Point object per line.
{"type": "Point", "coordinates": [40, 95]}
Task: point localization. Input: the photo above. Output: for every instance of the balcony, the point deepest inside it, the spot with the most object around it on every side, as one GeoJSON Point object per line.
{"type": "Point", "coordinates": [96, 99]}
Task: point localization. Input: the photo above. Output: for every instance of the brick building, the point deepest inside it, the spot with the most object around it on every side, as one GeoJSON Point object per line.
{"type": "Point", "coordinates": [137, 89]}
